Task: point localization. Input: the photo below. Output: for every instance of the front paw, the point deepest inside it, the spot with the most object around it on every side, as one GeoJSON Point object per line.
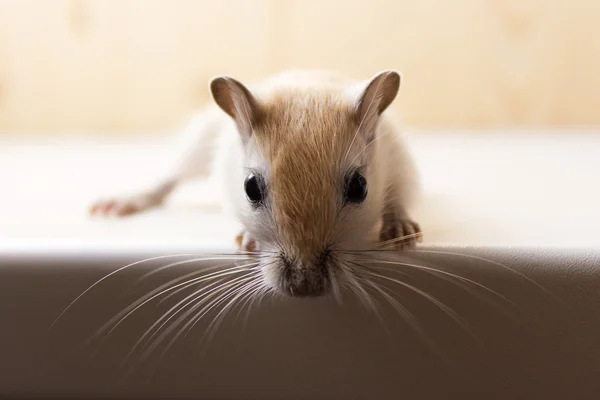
{"type": "Point", "coordinates": [245, 243]}
{"type": "Point", "coordinates": [400, 234]}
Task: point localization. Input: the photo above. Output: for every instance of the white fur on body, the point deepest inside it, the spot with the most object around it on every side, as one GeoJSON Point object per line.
{"type": "Point", "coordinates": [392, 178]}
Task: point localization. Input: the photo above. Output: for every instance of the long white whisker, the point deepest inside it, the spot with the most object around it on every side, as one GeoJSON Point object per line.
{"type": "Point", "coordinates": [111, 274]}
{"type": "Point", "coordinates": [186, 328]}
{"type": "Point", "coordinates": [258, 297]}
{"type": "Point", "coordinates": [215, 323]}
{"type": "Point", "coordinates": [205, 291]}
{"type": "Point", "coordinates": [247, 285]}
{"type": "Point", "coordinates": [123, 315]}
{"type": "Point", "coordinates": [451, 313]}
{"type": "Point", "coordinates": [438, 272]}
{"type": "Point", "coordinates": [382, 245]}
{"type": "Point", "coordinates": [358, 289]}
{"type": "Point", "coordinates": [462, 283]}
{"type": "Point", "coordinates": [258, 286]}
{"type": "Point", "coordinates": [156, 270]}
{"type": "Point", "coordinates": [251, 298]}
{"type": "Point", "coordinates": [202, 294]}
{"type": "Point", "coordinates": [494, 263]}
{"type": "Point", "coordinates": [239, 268]}
{"type": "Point", "coordinates": [409, 317]}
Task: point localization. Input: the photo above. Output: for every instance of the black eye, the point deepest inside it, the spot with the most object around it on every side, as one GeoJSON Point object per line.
{"type": "Point", "coordinates": [356, 188]}
{"type": "Point", "coordinates": [252, 187]}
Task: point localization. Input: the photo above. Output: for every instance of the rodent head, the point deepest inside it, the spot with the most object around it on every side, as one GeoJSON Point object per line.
{"type": "Point", "coordinates": [311, 188]}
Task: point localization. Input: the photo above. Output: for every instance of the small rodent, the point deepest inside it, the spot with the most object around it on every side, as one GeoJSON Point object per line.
{"type": "Point", "coordinates": [312, 166]}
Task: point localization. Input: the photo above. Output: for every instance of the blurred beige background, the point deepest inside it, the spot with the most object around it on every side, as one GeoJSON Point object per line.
{"type": "Point", "coordinates": [503, 97]}
{"type": "Point", "coordinates": [109, 66]}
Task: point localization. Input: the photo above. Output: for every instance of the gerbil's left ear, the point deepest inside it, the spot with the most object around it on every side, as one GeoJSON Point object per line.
{"type": "Point", "coordinates": [376, 97]}
{"type": "Point", "coordinates": [237, 101]}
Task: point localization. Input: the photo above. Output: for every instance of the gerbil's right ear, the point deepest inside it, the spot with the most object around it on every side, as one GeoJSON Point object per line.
{"type": "Point", "coordinates": [376, 97]}
{"type": "Point", "coordinates": [237, 101]}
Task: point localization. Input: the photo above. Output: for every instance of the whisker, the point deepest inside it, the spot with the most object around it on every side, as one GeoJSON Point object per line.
{"type": "Point", "coordinates": [111, 274]}
{"type": "Point", "coordinates": [399, 239]}
{"type": "Point", "coordinates": [335, 289]}
{"type": "Point", "coordinates": [201, 293]}
{"type": "Point", "coordinates": [408, 316]}
{"type": "Point", "coordinates": [249, 298]}
{"type": "Point", "coordinates": [156, 270]}
{"type": "Point", "coordinates": [215, 323]}
{"type": "Point", "coordinates": [179, 290]}
{"type": "Point", "coordinates": [359, 290]}
{"type": "Point", "coordinates": [441, 274]}
{"type": "Point", "coordinates": [204, 292]}
{"type": "Point", "coordinates": [167, 287]}
{"type": "Point", "coordinates": [451, 313]}
{"type": "Point", "coordinates": [356, 288]}
{"type": "Point", "coordinates": [463, 283]}
{"type": "Point", "coordinates": [504, 266]}
{"type": "Point", "coordinates": [410, 319]}
{"type": "Point", "coordinates": [188, 326]}
{"type": "Point", "coordinates": [258, 297]}
{"type": "Point", "coordinates": [151, 332]}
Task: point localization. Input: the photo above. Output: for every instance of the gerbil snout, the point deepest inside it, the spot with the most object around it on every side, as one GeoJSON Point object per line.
{"type": "Point", "coordinates": [305, 279]}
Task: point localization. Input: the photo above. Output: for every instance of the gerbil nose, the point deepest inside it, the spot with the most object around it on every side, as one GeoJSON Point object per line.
{"type": "Point", "coordinates": [304, 280]}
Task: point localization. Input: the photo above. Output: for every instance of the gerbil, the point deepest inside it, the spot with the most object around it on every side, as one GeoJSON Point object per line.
{"type": "Point", "coordinates": [311, 164]}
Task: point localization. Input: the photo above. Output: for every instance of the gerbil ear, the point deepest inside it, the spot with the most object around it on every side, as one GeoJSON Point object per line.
{"type": "Point", "coordinates": [376, 97]}
{"type": "Point", "coordinates": [237, 101]}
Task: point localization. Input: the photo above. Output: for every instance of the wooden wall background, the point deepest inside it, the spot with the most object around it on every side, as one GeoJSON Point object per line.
{"type": "Point", "coordinates": [138, 65]}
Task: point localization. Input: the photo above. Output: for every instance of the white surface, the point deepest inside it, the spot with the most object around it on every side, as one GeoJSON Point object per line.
{"type": "Point", "coordinates": [503, 188]}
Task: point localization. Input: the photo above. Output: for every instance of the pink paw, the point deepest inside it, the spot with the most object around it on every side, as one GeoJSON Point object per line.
{"type": "Point", "coordinates": [400, 234]}
{"type": "Point", "coordinates": [245, 243]}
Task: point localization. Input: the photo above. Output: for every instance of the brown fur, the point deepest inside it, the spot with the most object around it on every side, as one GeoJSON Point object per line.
{"type": "Point", "coordinates": [296, 136]}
